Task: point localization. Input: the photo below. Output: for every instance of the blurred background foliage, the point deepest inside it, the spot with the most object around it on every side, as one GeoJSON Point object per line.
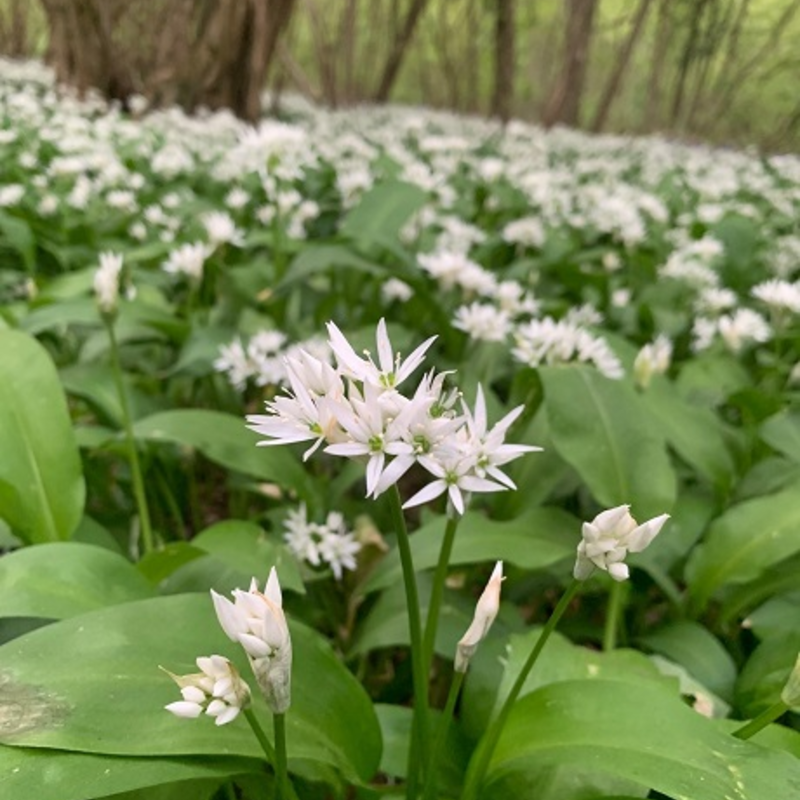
{"type": "Point", "coordinates": [724, 71]}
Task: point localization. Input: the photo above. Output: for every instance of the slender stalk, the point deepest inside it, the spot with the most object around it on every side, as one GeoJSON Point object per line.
{"type": "Point", "coordinates": [442, 730]}
{"type": "Point", "coordinates": [762, 720]}
{"type": "Point", "coordinates": [133, 455]}
{"type": "Point", "coordinates": [255, 726]}
{"type": "Point", "coordinates": [419, 741]}
{"type": "Point", "coordinates": [281, 769]}
{"type": "Point", "coordinates": [616, 604]}
{"type": "Point", "coordinates": [480, 761]}
{"type": "Point", "coordinates": [437, 591]}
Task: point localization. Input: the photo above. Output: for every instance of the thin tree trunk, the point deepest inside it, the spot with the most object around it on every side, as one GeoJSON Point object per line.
{"type": "Point", "coordinates": [564, 104]}
{"type": "Point", "coordinates": [614, 85]}
{"type": "Point", "coordinates": [664, 34]}
{"type": "Point", "coordinates": [398, 51]}
{"type": "Point", "coordinates": [504, 64]}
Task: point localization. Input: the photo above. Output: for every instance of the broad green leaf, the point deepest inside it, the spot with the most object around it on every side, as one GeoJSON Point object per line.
{"type": "Point", "coordinates": [41, 482]}
{"type": "Point", "coordinates": [492, 673]}
{"type": "Point", "coordinates": [321, 258]}
{"type": "Point", "coordinates": [59, 316]}
{"type": "Point", "coordinates": [603, 430]}
{"type": "Point", "coordinates": [64, 579]}
{"type": "Point", "coordinates": [745, 541]}
{"type": "Point", "coordinates": [225, 440]}
{"type": "Point", "coordinates": [68, 686]}
{"type": "Point", "coordinates": [638, 732]}
{"type": "Point", "coordinates": [383, 211]}
{"type": "Point", "coordinates": [53, 775]}
{"type": "Point", "coordinates": [692, 431]}
{"type": "Point", "coordinates": [708, 380]}
{"type": "Point", "coordinates": [770, 475]}
{"type": "Point", "coordinates": [17, 234]}
{"type": "Point", "coordinates": [703, 700]}
{"type": "Point", "coordinates": [765, 673]}
{"type": "Point", "coordinates": [237, 552]}
{"type": "Point", "coordinates": [699, 651]}
{"type": "Point", "coordinates": [779, 616]}
{"type": "Point", "coordinates": [782, 433]}
{"type": "Point", "coordinates": [538, 539]}
{"type": "Point", "coordinates": [780, 578]}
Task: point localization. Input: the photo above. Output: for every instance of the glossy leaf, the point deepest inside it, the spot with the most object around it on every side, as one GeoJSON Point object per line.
{"type": "Point", "coordinates": [64, 579]}
{"type": "Point", "coordinates": [107, 671]}
{"type": "Point", "coordinates": [54, 775]}
{"type": "Point", "coordinates": [382, 211]}
{"type": "Point", "coordinates": [782, 433]}
{"type": "Point", "coordinates": [748, 539]}
{"type": "Point", "coordinates": [603, 430]}
{"type": "Point", "coordinates": [224, 439]}
{"type": "Point", "coordinates": [538, 539]}
{"type": "Point", "coordinates": [638, 732]}
{"type": "Point", "coordinates": [41, 479]}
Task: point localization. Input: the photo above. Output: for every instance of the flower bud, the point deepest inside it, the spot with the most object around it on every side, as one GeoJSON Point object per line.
{"type": "Point", "coordinates": [485, 612]}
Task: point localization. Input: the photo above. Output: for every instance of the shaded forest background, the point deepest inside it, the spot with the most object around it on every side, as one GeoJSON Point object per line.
{"type": "Point", "coordinates": [725, 71]}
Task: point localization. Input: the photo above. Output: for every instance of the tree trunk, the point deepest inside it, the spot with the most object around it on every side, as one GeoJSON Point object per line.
{"type": "Point", "coordinates": [214, 53]}
{"type": "Point", "coordinates": [398, 51]}
{"type": "Point", "coordinates": [503, 96]}
{"type": "Point", "coordinates": [614, 84]}
{"type": "Point", "coordinates": [564, 103]}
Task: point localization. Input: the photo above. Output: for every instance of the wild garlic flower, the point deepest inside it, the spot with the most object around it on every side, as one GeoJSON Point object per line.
{"type": "Point", "coordinates": [217, 689]}
{"type": "Point", "coordinates": [608, 539]}
{"type": "Point", "coordinates": [221, 229]}
{"type": "Point", "coordinates": [189, 260]}
{"type": "Point", "coordinates": [357, 411]}
{"type": "Point", "coordinates": [483, 322]}
{"type": "Point", "coordinates": [652, 359]}
{"type": "Point", "coordinates": [485, 612]}
{"type": "Point", "coordinates": [317, 543]}
{"type": "Point", "coordinates": [256, 621]}
{"type": "Point", "coordinates": [106, 282]}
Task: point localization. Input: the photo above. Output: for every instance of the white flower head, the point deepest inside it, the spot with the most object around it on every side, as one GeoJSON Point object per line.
{"type": "Point", "coordinates": [106, 282]}
{"type": "Point", "coordinates": [652, 359]}
{"type": "Point", "coordinates": [485, 613]}
{"type": "Point", "coordinates": [608, 539]}
{"type": "Point", "coordinates": [255, 619]}
{"type": "Point", "coordinates": [217, 689]}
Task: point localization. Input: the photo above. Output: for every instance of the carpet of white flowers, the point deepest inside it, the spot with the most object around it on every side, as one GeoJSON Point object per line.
{"type": "Point", "coordinates": [638, 298]}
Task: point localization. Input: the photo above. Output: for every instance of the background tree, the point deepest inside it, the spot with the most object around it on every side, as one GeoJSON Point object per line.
{"type": "Point", "coordinates": [215, 53]}
{"type": "Point", "coordinates": [504, 50]}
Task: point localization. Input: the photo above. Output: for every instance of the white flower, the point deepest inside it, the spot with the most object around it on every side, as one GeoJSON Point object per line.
{"type": "Point", "coordinates": [106, 282]}
{"type": "Point", "coordinates": [257, 622]}
{"type": "Point", "coordinates": [483, 322]}
{"type": "Point", "coordinates": [188, 259]}
{"type": "Point", "coordinates": [779, 294]}
{"type": "Point", "coordinates": [221, 229]}
{"type": "Point", "coordinates": [390, 371]}
{"type": "Point", "coordinates": [652, 359]}
{"type": "Point", "coordinates": [330, 542]}
{"type": "Point", "coordinates": [233, 361]}
{"type": "Point", "coordinates": [485, 612]}
{"type": "Point", "coordinates": [608, 539]}
{"type": "Point", "coordinates": [217, 689]}
{"type": "Point", "coordinates": [742, 326]}
{"type": "Point", "coordinates": [395, 289]}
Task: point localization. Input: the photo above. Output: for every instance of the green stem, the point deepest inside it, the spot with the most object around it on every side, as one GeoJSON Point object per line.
{"type": "Point", "coordinates": [761, 721]}
{"type": "Point", "coordinates": [437, 591]}
{"type": "Point", "coordinates": [480, 761]}
{"type": "Point", "coordinates": [419, 675]}
{"type": "Point", "coordinates": [281, 769]}
{"type": "Point", "coordinates": [133, 454]}
{"type": "Point", "coordinates": [269, 751]}
{"type": "Point", "coordinates": [441, 735]}
{"type": "Point", "coordinates": [616, 603]}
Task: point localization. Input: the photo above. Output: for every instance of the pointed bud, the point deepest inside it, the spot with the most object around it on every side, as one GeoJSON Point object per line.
{"type": "Point", "coordinates": [485, 612]}
{"type": "Point", "coordinates": [791, 692]}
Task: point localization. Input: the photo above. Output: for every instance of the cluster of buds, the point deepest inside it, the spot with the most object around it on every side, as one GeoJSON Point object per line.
{"type": "Point", "coordinates": [217, 689]}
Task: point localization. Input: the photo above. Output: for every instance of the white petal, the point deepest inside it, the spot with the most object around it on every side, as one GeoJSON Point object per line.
{"type": "Point", "coordinates": [193, 694]}
{"type": "Point", "coordinates": [454, 493]}
{"type": "Point", "coordinates": [255, 647]}
{"type": "Point", "coordinates": [618, 571]}
{"type": "Point", "coordinates": [184, 709]}
{"type": "Point", "coordinates": [427, 493]}
{"type": "Point", "coordinates": [228, 715]}
{"type": "Point", "coordinates": [229, 618]}
{"type": "Point", "coordinates": [273, 588]}
{"type": "Point", "coordinates": [641, 537]}
{"type": "Point", "coordinates": [385, 355]}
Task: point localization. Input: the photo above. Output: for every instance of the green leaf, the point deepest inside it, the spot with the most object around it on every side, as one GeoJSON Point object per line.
{"type": "Point", "coordinates": [237, 551]}
{"type": "Point", "coordinates": [319, 259]}
{"type": "Point", "coordinates": [64, 579]}
{"type": "Point", "coordinates": [692, 431]}
{"type": "Point", "coordinates": [17, 234]}
{"type": "Point", "coordinates": [52, 775]}
{"type": "Point", "coordinates": [782, 433]}
{"type": "Point", "coordinates": [538, 539]}
{"type": "Point", "coordinates": [69, 685]}
{"type": "Point", "coordinates": [748, 539]}
{"type": "Point", "coordinates": [225, 440]}
{"type": "Point", "coordinates": [603, 430]}
{"type": "Point", "coordinates": [700, 652]}
{"type": "Point", "coordinates": [765, 673]}
{"type": "Point", "coordinates": [41, 482]}
{"type": "Point", "coordinates": [780, 578]}
{"type": "Point", "coordinates": [638, 732]}
{"type": "Point", "coordinates": [383, 211]}
{"type": "Point", "coordinates": [777, 617]}
{"type": "Point", "coordinates": [708, 380]}
{"type": "Point", "coordinates": [60, 315]}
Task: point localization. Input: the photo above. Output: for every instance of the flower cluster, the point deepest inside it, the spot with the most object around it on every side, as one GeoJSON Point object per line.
{"type": "Point", "coordinates": [357, 411]}
{"type": "Point", "coordinates": [609, 537]}
{"type": "Point", "coordinates": [317, 543]}
{"type": "Point", "coordinates": [256, 621]}
{"type": "Point", "coordinates": [217, 689]}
